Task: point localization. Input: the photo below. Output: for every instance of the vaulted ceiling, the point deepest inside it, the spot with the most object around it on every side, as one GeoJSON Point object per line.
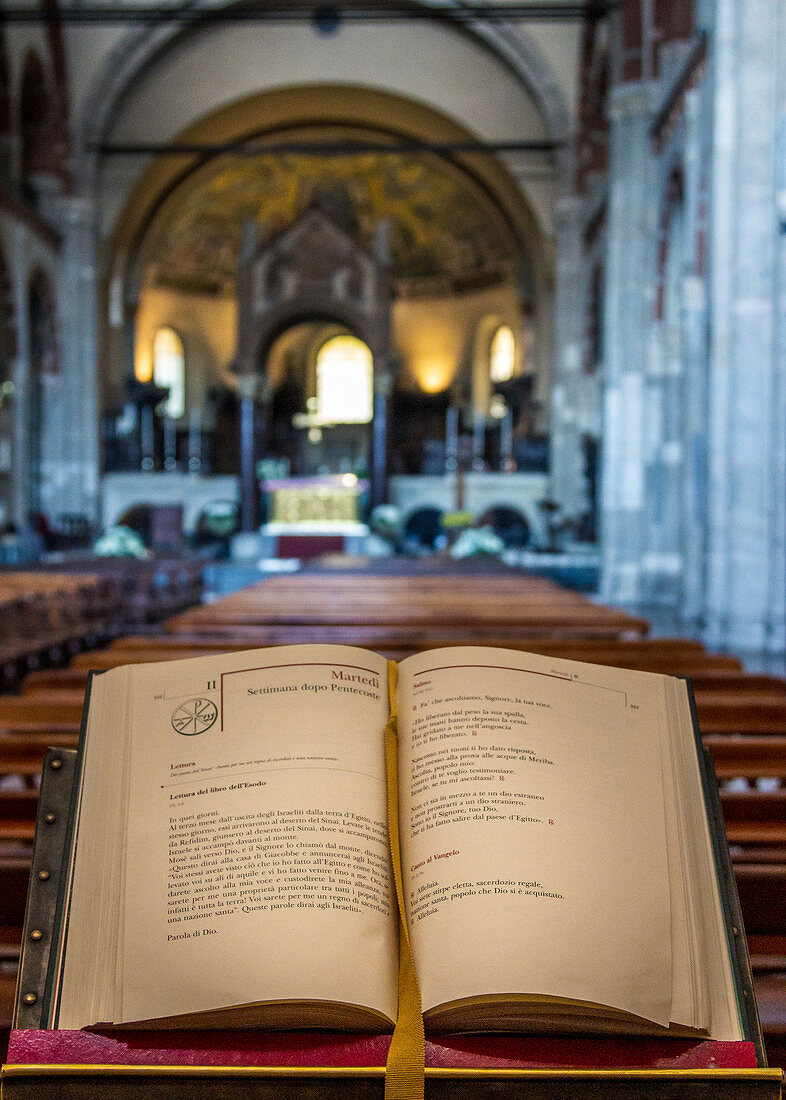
{"type": "Point", "coordinates": [445, 233]}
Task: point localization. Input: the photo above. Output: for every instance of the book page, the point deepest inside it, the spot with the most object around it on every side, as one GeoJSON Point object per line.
{"type": "Point", "coordinates": [533, 830]}
{"type": "Point", "coordinates": [257, 864]}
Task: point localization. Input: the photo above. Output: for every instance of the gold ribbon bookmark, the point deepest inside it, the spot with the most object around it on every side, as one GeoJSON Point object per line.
{"type": "Point", "coordinates": [404, 1073]}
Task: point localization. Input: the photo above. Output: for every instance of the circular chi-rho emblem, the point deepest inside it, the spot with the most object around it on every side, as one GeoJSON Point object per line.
{"type": "Point", "coordinates": [194, 716]}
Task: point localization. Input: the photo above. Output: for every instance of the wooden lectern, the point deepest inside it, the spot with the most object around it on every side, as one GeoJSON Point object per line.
{"type": "Point", "coordinates": [136, 1064]}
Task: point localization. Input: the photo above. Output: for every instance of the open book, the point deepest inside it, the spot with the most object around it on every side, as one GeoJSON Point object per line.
{"type": "Point", "coordinates": [230, 862]}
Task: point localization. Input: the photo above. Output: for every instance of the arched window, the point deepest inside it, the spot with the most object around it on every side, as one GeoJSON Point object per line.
{"type": "Point", "coordinates": [345, 381]}
{"type": "Point", "coordinates": [502, 355]}
{"type": "Point", "coordinates": [169, 369]}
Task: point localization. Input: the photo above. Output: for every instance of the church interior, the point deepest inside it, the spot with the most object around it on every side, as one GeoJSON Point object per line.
{"type": "Point", "coordinates": [400, 324]}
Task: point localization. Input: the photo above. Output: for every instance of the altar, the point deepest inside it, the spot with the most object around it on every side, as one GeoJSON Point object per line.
{"type": "Point", "coordinates": [308, 517]}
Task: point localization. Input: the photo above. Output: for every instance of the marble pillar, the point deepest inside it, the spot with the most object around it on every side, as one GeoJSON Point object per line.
{"type": "Point", "coordinates": [694, 353]}
{"type": "Point", "coordinates": [383, 377]}
{"type": "Point", "coordinates": [746, 567]}
{"type": "Point", "coordinates": [254, 401]}
{"type": "Point", "coordinates": [70, 452]}
{"type": "Point", "coordinates": [567, 483]}
{"type": "Point", "coordinates": [627, 313]}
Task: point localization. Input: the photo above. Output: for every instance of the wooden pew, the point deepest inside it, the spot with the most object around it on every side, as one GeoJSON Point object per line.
{"type": "Point", "coordinates": [530, 606]}
{"type": "Point", "coordinates": [746, 756]}
{"type": "Point", "coordinates": [48, 615]}
{"type": "Point", "coordinates": [762, 889]}
{"type": "Point", "coordinates": [17, 816]}
{"type": "Point", "coordinates": [14, 875]}
{"type": "Point", "coordinates": [400, 641]}
{"type": "Point", "coordinates": [45, 618]}
{"type": "Point", "coordinates": [144, 591]}
{"type": "Point", "coordinates": [415, 639]}
{"type": "Point", "coordinates": [756, 818]}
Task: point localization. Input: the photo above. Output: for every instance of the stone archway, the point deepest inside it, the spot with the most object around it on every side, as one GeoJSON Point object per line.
{"type": "Point", "coordinates": [345, 103]}
{"type": "Point", "coordinates": [521, 55]}
{"type": "Point", "coordinates": [313, 269]}
{"type": "Point", "coordinates": [258, 158]}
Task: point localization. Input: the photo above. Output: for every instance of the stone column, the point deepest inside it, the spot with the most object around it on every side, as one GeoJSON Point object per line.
{"type": "Point", "coordinates": [746, 569]}
{"type": "Point", "coordinates": [379, 436]}
{"type": "Point", "coordinates": [384, 366]}
{"type": "Point", "coordinates": [627, 318]}
{"type": "Point", "coordinates": [567, 482]}
{"type": "Point", "coordinates": [20, 376]}
{"type": "Point", "coordinates": [251, 389]}
{"type": "Point", "coordinates": [695, 362]}
{"type": "Point", "coordinates": [72, 450]}
{"type": "Point", "coordinates": [663, 426]}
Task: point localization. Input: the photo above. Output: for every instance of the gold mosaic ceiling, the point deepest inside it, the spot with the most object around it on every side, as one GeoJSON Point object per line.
{"type": "Point", "coordinates": [446, 234]}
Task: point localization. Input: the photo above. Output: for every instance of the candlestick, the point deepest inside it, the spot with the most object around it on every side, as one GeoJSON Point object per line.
{"type": "Point", "coordinates": [506, 441]}
{"type": "Point", "coordinates": [478, 439]}
{"type": "Point", "coordinates": [451, 438]}
{"type": "Point", "coordinates": [146, 438]}
{"type": "Point", "coordinates": [195, 440]}
{"type": "Point", "coordinates": [170, 444]}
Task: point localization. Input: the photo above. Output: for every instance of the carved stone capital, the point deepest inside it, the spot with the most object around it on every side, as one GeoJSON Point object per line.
{"type": "Point", "coordinates": [253, 387]}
